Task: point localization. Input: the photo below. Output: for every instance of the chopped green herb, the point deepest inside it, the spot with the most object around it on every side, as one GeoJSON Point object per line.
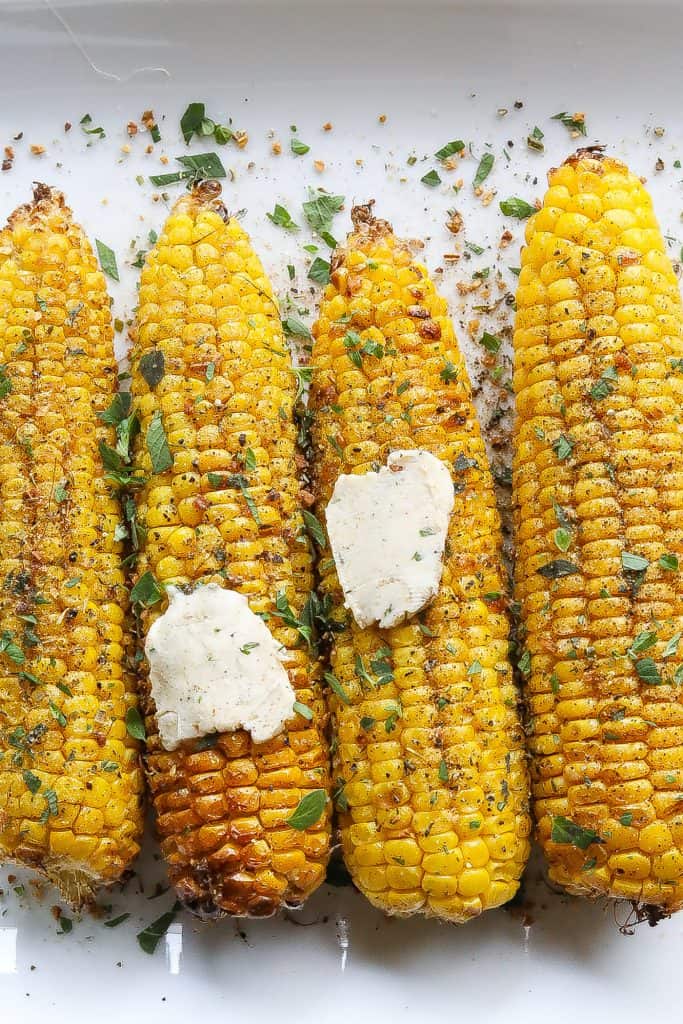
{"type": "Point", "coordinates": [449, 372]}
{"type": "Point", "coordinates": [57, 714]}
{"type": "Point", "coordinates": [113, 922]}
{"type": "Point", "coordinates": [572, 122]}
{"type": "Point", "coordinates": [443, 771]}
{"type": "Point", "coordinates": [33, 783]}
{"type": "Point", "coordinates": [605, 384]}
{"type": "Point", "coordinates": [642, 642]}
{"type": "Point", "coordinates": [197, 167]}
{"type": "Point", "coordinates": [299, 148]}
{"type": "Point", "coordinates": [450, 149]}
{"type": "Point", "coordinates": [431, 179]}
{"type": "Point", "coordinates": [85, 123]}
{"type": "Point", "coordinates": [563, 446]}
{"type": "Point", "coordinates": [626, 818]}
{"type": "Point", "coordinates": [293, 327]}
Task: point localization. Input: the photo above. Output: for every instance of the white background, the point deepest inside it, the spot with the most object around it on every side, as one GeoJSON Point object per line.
{"type": "Point", "coordinates": [438, 71]}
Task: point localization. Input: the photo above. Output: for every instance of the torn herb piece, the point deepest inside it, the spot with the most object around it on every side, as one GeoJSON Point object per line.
{"type": "Point", "coordinates": [309, 810]}
{"type": "Point", "coordinates": [149, 937]}
{"type": "Point", "coordinates": [558, 568]}
{"type": "Point", "coordinates": [483, 170]}
{"type": "Point", "coordinates": [568, 833]}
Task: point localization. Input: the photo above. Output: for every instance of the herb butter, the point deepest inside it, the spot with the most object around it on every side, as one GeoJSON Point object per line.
{"type": "Point", "coordinates": [387, 532]}
{"type": "Point", "coordinates": [214, 666]}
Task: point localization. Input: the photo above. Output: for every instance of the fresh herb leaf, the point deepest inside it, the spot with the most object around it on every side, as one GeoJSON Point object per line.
{"type": "Point", "coordinates": [33, 783]}
{"type": "Point", "coordinates": [295, 328]}
{"type": "Point", "coordinates": [605, 384]}
{"type": "Point", "coordinates": [668, 562]}
{"type": "Point", "coordinates": [562, 538]}
{"type": "Point", "coordinates": [320, 210]}
{"type": "Point", "coordinates": [149, 937]}
{"type": "Point", "coordinates": [568, 833]}
{"type": "Point", "coordinates": [443, 771]}
{"type": "Point", "coordinates": [572, 122]}
{"type": "Point", "coordinates": [281, 217]}
{"type": "Point", "coordinates": [319, 271]}
{"type": "Point", "coordinates": [303, 710]}
{"type": "Point", "coordinates": [57, 714]}
{"type": "Point", "coordinates": [152, 366]}
{"type": "Point", "coordinates": [483, 170]}
{"type": "Point", "coordinates": [118, 410]}
{"type": "Point", "coordinates": [107, 259]}
{"type": "Point", "coordinates": [157, 445]}
{"type": "Point", "coordinates": [314, 527]}
{"type": "Point", "coordinates": [431, 179]}
{"type": "Point", "coordinates": [309, 810]}
{"type": "Point", "coordinates": [198, 166]}
{"type": "Point", "coordinates": [642, 642]}
{"type": "Point", "coordinates": [337, 688]}
{"type": "Point", "coordinates": [191, 121]}
{"type": "Point", "coordinates": [491, 342]}
{"type": "Point", "coordinates": [672, 646]}
{"type": "Point", "coordinates": [450, 149]}
{"type": "Point", "coordinates": [113, 922]}
{"type": "Point", "coordinates": [563, 446]}
{"type": "Point", "coordinates": [515, 207]}
{"type": "Point", "coordinates": [85, 123]}
{"type": "Point", "coordinates": [558, 568]}
{"type": "Point", "coordinates": [135, 725]}
{"type": "Point", "coordinates": [299, 148]}
{"type": "Point", "coordinates": [146, 591]}
{"type": "Point", "coordinates": [648, 671]}
{"type": "Point", "coordinates": [633, 563]}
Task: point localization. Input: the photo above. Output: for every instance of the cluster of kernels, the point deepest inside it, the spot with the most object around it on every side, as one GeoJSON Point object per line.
{"type": "Point", "coordinates": [226, 399]}
{"type": "Point", "coordinates": [429, 766]}
{"type": "Point", "coordinates": [598, 302]}
{"type": "Point", "coordinates": [63, 699]}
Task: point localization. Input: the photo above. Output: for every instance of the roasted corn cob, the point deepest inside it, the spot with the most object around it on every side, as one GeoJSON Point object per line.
{"type": "Point", "coordinates": [70, 781]}
{"type": "Point", "coordinates": [431, 783]}
{"type": "Point", "coordinates": [225, 390]}
{"type": "Point", "coordinates": [598, 491]}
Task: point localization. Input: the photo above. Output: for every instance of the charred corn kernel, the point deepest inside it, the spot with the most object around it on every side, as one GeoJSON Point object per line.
{"type": "Point", "coordinates": [598, 494]}
{"type": "Point", "coordinates": [226, 511]}
{"type": "Point", "coordinates": [63, 596]}
{"type": "Point", "coordinates": [427, 733]}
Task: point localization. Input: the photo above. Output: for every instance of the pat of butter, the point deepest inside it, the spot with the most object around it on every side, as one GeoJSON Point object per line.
{"type": "Point", "coordinates": [214, 666]}
{"type": "Point", "coordinates": [387, 532]}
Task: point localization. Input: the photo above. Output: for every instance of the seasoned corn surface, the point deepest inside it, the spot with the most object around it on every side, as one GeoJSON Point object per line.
{"type": "Point", "coordinates": [70, 784]}
{"type": "Point", "coordinates": [429, 768]}
{"type": "Point", "coordinates": [598, 486]}
{"type": "Point", "coordinates": [227, 512]}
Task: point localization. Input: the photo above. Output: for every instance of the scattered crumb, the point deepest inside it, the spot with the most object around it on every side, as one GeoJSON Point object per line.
{"type": "Point", "coordinates": [319, 165]}
{"type": "Point", "coordinates": [241, 138]}
{"type": "Point", "coordinates": [276, 148]}
{"type": "Point", "coordinates": [163, 160]}
{"type": "Point", "coordinates": [659, 131]}
{"type": "Point", "coordinates": [505, 239]}
{"type": "Point", "coordinates": [327, 127]}
{"type": "Point", "coordinates": [67, 126]}
{"type": "Point", "coordinates": [454, 222]}
{"type": "Point", "coordinates": [659, 164]}
{"type": "Point", "coordinates": [132, 128]}
{"type": "Point", "coordinates": [126, 148]}
{"type": "Point", "coordinates": [37, 150]}
{"type": "Point", "coordinates": [382, 118]}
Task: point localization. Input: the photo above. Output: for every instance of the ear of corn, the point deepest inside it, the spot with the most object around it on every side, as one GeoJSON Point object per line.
{"type": "Point", "coordinates": [598, 486]}
{"type": "Point", "coordinates": [227, 512]}
{"type": "Point", "coordinates": [429, 766]}
{"type": "Point", "coordinates": [70, 784]}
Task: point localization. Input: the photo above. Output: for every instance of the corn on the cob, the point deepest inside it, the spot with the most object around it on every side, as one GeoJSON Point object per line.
{"type": "Point", "coordinates": [70, 781]}
{"type": "Point", "coordinates": [429, 764]}
{"type": "Point", "coordinates": [225, 395]}
{"type": "Point", "coordinates": [598, 489]}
